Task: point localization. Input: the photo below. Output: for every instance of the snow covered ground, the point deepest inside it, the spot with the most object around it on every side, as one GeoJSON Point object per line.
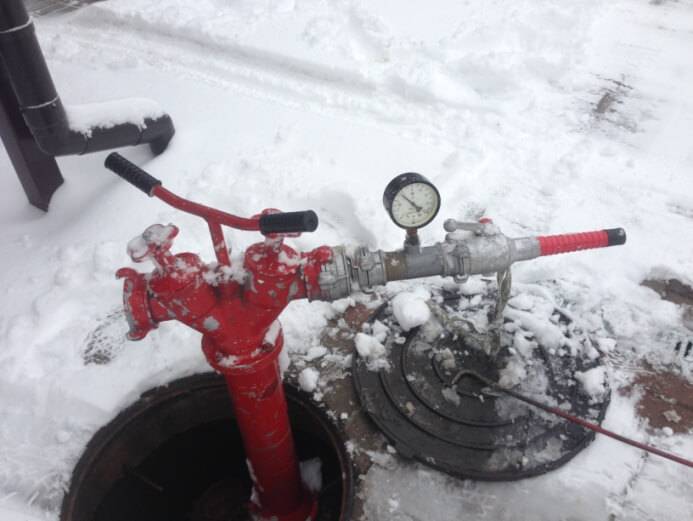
{"type": "Point", "coordinates": [548, 116]}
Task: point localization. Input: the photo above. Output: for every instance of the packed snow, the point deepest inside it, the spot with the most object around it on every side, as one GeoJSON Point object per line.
{"type": "Point", "coordinates": [308, 379]}
{"type": "Point", "coordinates": [311, 474]}
{"type": "Point", "coordinates": [593, 381]}
{"type": "Point", "coordinates": [156, 235]}
{"type": "Point", "coordinates": [372, 349]}
{"type": "Point", "coordinates": [85, 118]}
{"type": "Point", "coordinates": [547, 116]}
{"type": "Point", "coordinates": [410, 308]}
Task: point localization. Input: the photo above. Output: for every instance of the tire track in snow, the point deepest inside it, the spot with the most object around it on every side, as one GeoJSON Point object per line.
{"type": "Point", "coordinates": [102, 36]}
{"type": "Point", "coordinates": [264, 75]}
{"type": "Point", "coordinates": [98, 35]}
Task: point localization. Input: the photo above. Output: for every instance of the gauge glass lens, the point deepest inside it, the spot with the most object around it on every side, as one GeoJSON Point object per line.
{"type": "Point", "coordinates": [415, 205]}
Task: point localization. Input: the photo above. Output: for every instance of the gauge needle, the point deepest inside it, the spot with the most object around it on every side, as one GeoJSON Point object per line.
{"type": "Point", "coordinates": [416, 206]}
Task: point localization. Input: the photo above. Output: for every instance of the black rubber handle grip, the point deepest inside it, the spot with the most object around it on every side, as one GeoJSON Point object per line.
{"type": "Point", "coordinates": [132, 173]}
{"type": "Point", "coordinates": [289, 222]}
{"type": "Point", "coordinates": [617, 236]}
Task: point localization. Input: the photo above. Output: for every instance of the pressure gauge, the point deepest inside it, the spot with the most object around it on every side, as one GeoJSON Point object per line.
{"type": "Point", "coordinates": [411, 200]}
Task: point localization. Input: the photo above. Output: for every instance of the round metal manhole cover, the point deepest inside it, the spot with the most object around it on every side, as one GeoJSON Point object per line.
{"type": "Point", "coordinates": [432, 409]}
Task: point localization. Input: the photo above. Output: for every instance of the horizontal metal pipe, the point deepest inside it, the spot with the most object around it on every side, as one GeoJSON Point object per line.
{"type": "Point", "coordinates": [426, 262]}
{"type": "Point", "coordinates": [469, 255]}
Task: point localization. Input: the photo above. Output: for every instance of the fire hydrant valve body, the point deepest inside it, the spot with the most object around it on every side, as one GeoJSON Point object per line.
{"type": "Point", "coordinates": [241, 338]}
{"type": "Point", "coordinates": [272, 275]}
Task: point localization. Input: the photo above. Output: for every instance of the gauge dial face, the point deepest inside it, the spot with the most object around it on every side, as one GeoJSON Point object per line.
{"type": "Point", "coordinates": [411, 200]}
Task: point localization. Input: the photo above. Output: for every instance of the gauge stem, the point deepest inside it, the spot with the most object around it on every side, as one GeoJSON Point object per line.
{"type": "Point", "coordinates": [412, 240]}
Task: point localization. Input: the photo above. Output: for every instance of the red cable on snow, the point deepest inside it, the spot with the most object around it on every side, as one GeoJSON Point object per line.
{"type": "Point", "coordinates": [584, 423]}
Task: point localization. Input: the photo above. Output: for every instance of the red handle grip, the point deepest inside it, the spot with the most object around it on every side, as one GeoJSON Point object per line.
{"type": "Point", "coordinates": [553, 244]}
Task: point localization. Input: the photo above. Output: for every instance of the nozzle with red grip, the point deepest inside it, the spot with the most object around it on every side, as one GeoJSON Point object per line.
{"type": "Point", "coordinates": [565, 243]}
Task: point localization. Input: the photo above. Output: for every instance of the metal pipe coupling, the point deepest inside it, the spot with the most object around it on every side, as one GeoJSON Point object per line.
{"type": "Point", "coordinates": [459, 255]}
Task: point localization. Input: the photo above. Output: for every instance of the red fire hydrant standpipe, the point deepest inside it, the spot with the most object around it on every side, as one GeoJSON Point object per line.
{"type": "Point", "coordinates": [236, 310]}
{"type": "Point", "coordinates": [241, 337]}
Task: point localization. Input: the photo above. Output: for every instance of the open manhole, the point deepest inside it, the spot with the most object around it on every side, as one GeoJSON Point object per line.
{"type": "Point", "coordinates": [176, 455]}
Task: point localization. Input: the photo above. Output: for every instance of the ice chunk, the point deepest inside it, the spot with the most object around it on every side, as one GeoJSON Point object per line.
{"type": "Point", "coordinates": [315, 352]}
{"type": "Point", "coordinates": [512, 374]}
{"type": "Point", "coordinates": [593, 381]}
{"type": "Point", "coordinates": [227, 361]}
{"type": "Point", "coordinates": [341, 305]}
{"type": "Point", "coordinates": [380, 330]}
{"type": "Point", "coordinates": [450, 394]}
{"type": "Point", "coordinates": [473, 286]}
{"type": "Point", "coordinates": [523, 345]}
{"type": "Point", "coordinates": [158, 234]}
{"type": "Point", "coordinates": [672, 416]}
{"type": "Point", "coordinates": [308, 379]}
{"type": "Point", "coordinates": [372, 350]}
{"type": "Point", "coordinates": [291, 261]}
{"type": "Point", "coordinates": [210, 324]}
{"type": "Point", "coordinates": [368, 346]}
{"type": "Point", "coordinates": [410, 309]}
{"type": "Point", "coordinates": [311, 474]}
{"type": "Point", "coordinates": [523, 301]}
{"type": "Point", "coordinates": [272, 333]}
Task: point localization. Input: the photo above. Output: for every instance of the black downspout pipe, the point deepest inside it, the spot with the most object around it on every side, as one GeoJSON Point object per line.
{"type": "Point", "coordinates": [44, 113]}
{"type": "Point", "coordinates": [37, 172]}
